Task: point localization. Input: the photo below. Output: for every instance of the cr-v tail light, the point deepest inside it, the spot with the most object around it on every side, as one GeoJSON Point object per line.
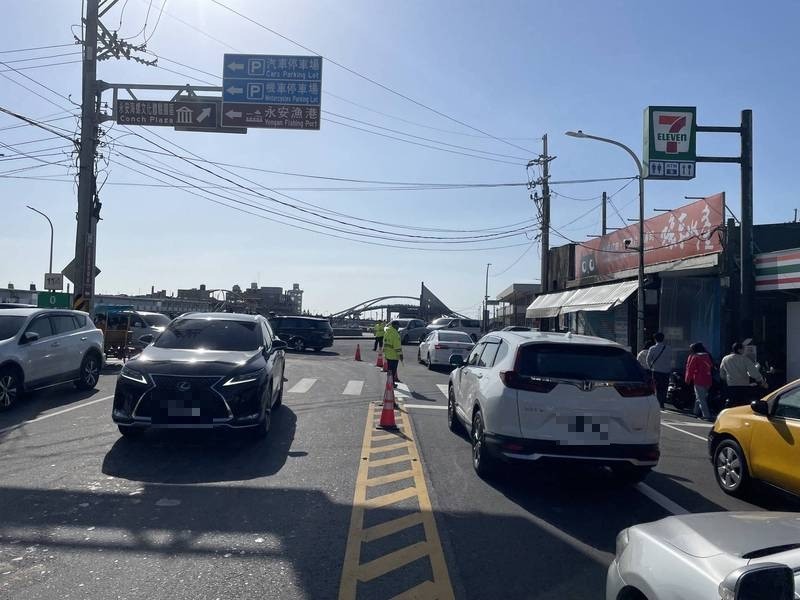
{"type": "Point", "coordinates": [514, 380]}
{"type": "Point", "coordinates": [634, 390]}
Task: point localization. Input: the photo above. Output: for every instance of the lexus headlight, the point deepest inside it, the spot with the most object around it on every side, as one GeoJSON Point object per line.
{"type": "Point", "coordinates": [133, 375]}
{"type": "Point", "coordinates": [248, 377]}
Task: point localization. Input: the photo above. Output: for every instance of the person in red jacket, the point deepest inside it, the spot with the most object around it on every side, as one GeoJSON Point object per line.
{"type": "Point", "coordinates": [698, 374]}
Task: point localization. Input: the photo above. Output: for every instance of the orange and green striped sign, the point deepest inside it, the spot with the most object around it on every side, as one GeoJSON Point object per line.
{"type": "Point", "coordinates": [778, 270]}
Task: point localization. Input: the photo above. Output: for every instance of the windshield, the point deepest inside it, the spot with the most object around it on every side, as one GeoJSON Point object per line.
{"type": "Point", "coordinates": [210, 334]}
{"type": "Point", "coordinates": [9, 326]}
{"type": "Point", "coordinates": [454, 336]}
{"type": "Point", "coordinates": [441, 321]}
{"type": "Point", "coordinates": [575, 361]}
{"type": "Point", "coordinates": [156, 320]}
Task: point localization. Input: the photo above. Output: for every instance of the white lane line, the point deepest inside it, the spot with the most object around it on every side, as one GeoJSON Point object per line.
{"type": "Point", "coordinates": [442, 388]}
{"type": "Point", "coordinates": [55, 414]}
{"type": "Point", "coordinates": [430, 406]}
{"type": "Point", "coordinates": [403, 386]}
{"type": "Point", "coordinates": [302, 386]}
{"type": "Point", "coordinates": [660, 499]}
{"type": "Point", "coordinates": [687, 424]}
{"type": "Point", "coordinates": [353, 388]}
{"type": "Point", "coordinates": [694, 435]}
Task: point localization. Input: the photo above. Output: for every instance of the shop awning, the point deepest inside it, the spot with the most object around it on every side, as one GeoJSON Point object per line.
{"type": "Point", "coordinates": [548, 305]}
{"type": "Point", "coordinates": [598, 297]}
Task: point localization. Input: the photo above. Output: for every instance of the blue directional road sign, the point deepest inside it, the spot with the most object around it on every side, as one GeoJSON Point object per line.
{"type": "Point", "coordinates": [257, 90]}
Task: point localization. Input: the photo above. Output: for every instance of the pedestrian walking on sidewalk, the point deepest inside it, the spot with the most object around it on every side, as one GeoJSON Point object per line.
{"type": "Point", "coordinates": [736, 371]}
{"type": "Point", "coordinates": [659, 361]}
{"type": "Point", "coordinates": [379, 331]}
{"type": "Point", "coordinates": [698, 374]}
{"type": "Point", "coordinates": [392, 349]}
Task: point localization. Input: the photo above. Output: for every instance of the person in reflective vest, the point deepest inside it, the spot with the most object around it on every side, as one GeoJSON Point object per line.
{"type": "Point", "coordinates": [392, 349]}
{"type": "Point", "coordinates": [378, 329]}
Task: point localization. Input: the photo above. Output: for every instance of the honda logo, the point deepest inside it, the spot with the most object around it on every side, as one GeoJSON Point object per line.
{"type": "Point", "coordinates": [587, 386]}
{"type": "Point", "coordinates": [184, 386]}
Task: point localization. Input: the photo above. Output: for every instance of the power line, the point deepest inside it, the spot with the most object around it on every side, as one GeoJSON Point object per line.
{"type": "Point", "coordinates": [45, 119]}
{"type": "Point", "coordinates": [18, 60]}
{"type": "Point", "coordinates": [368, 79]}
{"type": "Point", "coordinates": [49, 89]}
{"type": "Point", "coordinates": [35, 124]}
{"type": "Point", "coordinates": [513, 264]}
{"type": "Point", "coordinates": [158, 20]}
{"type": "Point", "coordinates": [272, 189]}
{"type": "Point", "coordinates": [55, 64]}
{"type": "Point", "coordinates": [36, 48]}
{"type": "Point", "coordinates": [325, 233]}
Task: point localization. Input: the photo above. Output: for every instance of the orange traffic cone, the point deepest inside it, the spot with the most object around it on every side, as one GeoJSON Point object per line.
{"type": "Point", "coordinates": [358, 353]}
{"type": "Point", "coordinates": [385, 365]}
{"type": "Point", "coordinates": [379, 360]}
{"type": "Point", "coordinates": [387, 414]}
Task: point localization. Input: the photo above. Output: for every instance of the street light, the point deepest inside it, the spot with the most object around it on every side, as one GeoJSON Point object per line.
{"type": "Point", "coordinates": [486, 301]}
{"type": "Point", "coordinates": [640, 249]}
{"type": "Point", "coordinates": [51, 235]}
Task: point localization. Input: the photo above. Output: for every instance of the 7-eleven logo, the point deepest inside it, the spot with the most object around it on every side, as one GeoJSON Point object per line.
{"type": "Point", "coordinates": [672, 132]}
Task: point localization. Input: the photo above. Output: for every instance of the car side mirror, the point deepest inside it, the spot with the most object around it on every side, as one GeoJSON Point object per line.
{"type": "Point", "coordinates": [147, 338]}
{"type": "Point", "coordinates": [279, 345]}
{"type": "Point", "coordinates": [456, 360]}
{"type": "Point", "coordinates": [29, 336]}
{"type": "Point", "coordinates": [764, 580]}
{"type": "Point", "coordinates": [760, 407]}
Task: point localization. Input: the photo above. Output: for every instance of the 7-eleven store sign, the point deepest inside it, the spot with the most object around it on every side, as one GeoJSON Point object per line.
{"type": "Point", "coordinates": [778, 270]}
{"type": "Point", "coordinates": [670, 135]}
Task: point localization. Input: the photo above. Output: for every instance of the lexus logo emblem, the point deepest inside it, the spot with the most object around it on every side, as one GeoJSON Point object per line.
{"type": "Point", "coordinates": [184, 386]}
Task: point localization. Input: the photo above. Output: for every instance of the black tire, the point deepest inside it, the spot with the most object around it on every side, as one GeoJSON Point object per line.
{"type": "Point", "coordinates": [483, 462]}
{"type": "Point", "coordinates": [10, 387]}
{"type": "Point", "coordinates": [317, 349]}
{"type": "Point", "coordinates": [131, 432]}
{"type": "Point", "coordinates": [89, 373]}
{"type": "Point", "coordinates": [262, 429]}
{"type": "Point", "coordinates": [452, 418]}
{"type": "Point", "coordinates": [419, 357]}
{"type": "Point", "coordinates": [429, 363]}
{"type": "Point", "coordinates": [630, 474]}
{"type": "Point", "coordinates": [298, 344]}
{"type": "Point", "coordinates": [730, 468]}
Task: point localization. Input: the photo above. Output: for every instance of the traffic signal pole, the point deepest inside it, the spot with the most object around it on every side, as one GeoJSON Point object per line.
{"type": "Point", "coordinates": [85, 238]}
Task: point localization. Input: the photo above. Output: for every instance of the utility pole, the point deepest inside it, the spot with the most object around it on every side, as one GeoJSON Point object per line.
{"type": "Point", "coordinates": [85, 242]}
{"type": "Point", "coordinates": [605, 205]}
{"type": "Point", "coordinates": [545, 275]}
{"type": "Point", "coordinates": [486, 301]}
{"type": "Point", "coordinates": [748, 281]}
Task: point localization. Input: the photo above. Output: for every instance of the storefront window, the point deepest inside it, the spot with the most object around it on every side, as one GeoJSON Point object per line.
{"type": "Point", "coordinates": [689, 311]}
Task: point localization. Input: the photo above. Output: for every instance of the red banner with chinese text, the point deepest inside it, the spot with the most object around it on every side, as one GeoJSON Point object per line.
{"type": "Point", "coordinates": [691, 230]}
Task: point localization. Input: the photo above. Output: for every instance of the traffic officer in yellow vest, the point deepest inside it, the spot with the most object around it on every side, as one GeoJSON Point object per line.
{"type": "Point", "coordinates": [378, 329]}
{"type": "Point", "coordinates": [392, 349]}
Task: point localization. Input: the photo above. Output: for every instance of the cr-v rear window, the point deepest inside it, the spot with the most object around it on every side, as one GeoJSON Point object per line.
{"type": "Point", "coordinates": [320, 325]}
{"type": "Point", "coordinates": [576, 361]}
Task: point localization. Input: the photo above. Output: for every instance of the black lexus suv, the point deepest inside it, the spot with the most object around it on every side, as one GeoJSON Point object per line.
{"type": "Point", "coordinates": [205, 370]}
{"type": "Point", "coordinates": [303, 332]}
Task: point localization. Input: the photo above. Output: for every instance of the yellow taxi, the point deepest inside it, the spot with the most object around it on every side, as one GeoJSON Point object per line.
{"type": "Point", "coordinates": [759, 442]}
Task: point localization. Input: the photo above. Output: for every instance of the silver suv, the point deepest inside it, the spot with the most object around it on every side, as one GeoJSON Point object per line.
{"type": "Point", "coordinates": [40, 347]}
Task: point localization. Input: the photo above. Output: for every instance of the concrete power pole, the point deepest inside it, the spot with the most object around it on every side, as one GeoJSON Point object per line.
{"type": "Point", "coordinates": [604, 219]}
{"type": "Point", "coordinates": [545, 161]}
{"type": "Point", "coordinates": [85, 242]}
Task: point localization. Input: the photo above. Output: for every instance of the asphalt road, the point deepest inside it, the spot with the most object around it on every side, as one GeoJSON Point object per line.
{"type": "Point", "coordinates": [87, 514]}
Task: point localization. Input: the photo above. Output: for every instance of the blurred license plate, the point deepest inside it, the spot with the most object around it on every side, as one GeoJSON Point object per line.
{"type": "Point", "coordinates": [584, 430]}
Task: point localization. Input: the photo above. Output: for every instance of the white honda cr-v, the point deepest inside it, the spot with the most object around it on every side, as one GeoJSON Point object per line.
{"type": "Point", "coordinates": [529, 396]}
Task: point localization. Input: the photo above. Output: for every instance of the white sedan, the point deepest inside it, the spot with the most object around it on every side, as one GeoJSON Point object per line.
{"type": "Point", "coordinates": [733, 556]}
{"type": "Point", "coordinates": [438, 346]}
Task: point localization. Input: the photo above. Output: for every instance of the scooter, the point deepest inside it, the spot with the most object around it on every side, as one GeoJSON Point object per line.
{"type": "Point", "coordinates": [681, 395]}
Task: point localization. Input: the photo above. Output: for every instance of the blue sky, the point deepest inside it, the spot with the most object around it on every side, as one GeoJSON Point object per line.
{"type": "Point", "coordinates": [514, 69]}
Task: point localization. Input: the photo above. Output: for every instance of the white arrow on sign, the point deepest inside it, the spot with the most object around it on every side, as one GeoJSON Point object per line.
{"type": "Point", "coordinates": [234, 66]}
{"type": "Point", "coordinates": [233, 114]}
{"type": "Point", "coordinates": [235, 90]}
{"type": "Point", "coordinates": [204, 114]}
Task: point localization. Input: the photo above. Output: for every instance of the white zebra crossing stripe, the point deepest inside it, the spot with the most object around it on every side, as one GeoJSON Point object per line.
{"type": "Point", "coordinates": [353, 388]}
{"type": "Point", "coordinates": [403, 386]}
{"type": "Point", "coordinates": [302, 386]}
{"type": "Point", "coordinates": [442, 388]}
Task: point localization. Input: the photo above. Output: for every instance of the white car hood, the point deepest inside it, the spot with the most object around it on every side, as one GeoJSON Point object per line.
{"type": "Point", "coordinates": [706, 535]}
